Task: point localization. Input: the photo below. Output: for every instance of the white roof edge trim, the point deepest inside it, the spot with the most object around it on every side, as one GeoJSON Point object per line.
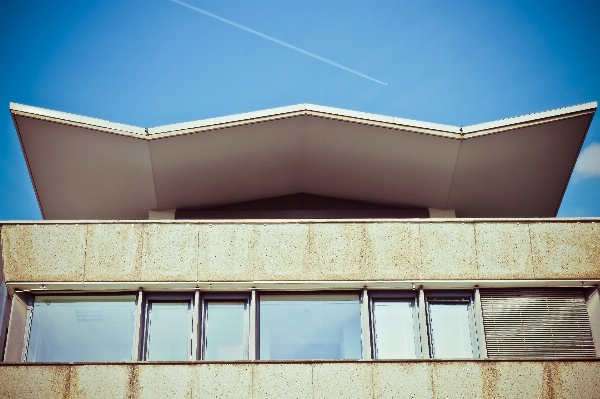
{"type": "Point", "coordinates": [297, 108]}
{"type": "Point", "coordinates": [530, 117]}
{"type": "Point", "coordinates": [86, 120]}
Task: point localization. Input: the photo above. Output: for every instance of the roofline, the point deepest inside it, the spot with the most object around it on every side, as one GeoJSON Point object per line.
{"type": "Point", "coordinates": [383, 121]}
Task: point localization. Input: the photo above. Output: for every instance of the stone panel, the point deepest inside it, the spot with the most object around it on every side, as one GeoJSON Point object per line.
{"type": "Point", "coordinates": [163, 381]}
{"type": "Point", "coordinates": [393, 251]}
{"type": "Point", "coordinates": [44, 252]}
{"type": "Point", "coordinates": [337, 251]}
{"type": "Point", "coordinates": [513, 380]}
{"type": "Point", "coordinates": [227, 252]}
{"type": "Point", "coordinates": [503, 251]}
{"type": "Point", "coordinates": [114, 252]}
{"type": "Point", "coordinates": [34, 382]}
{"type": "Point", "coordinates": [281, 252]}
{"type": "Point", "coordinates": [170, 252]}
{"type": "Point", "coordinates": [100, 381]}
{"type": "Point", "coordinates": [402, 380]}
{"type": "Point", "coordinates": [342, 380]}
{"type": "Point", "coordinates": [281, 381]}
{"type": "Point", "coordinates": [231, 381]}
{"type": "Point", "coordinates": [577, 380]}
{"type": "Point", "coordinates": [448, 251]}
{"type": "Point", "coordinates": [457, 380]}
{"type": "Point", "coordinates": [565, 250]}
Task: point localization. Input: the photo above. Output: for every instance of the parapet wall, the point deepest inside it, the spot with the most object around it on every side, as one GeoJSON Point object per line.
{"type": "Point", "coordinates": [370, 379]}
{"type": "Point", "coordinates": [301, 251]}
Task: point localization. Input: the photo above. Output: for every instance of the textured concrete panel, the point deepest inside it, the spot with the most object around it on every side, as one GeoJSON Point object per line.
{"type": "Point", "coordinates": [342, 380]}
{"type": "Point", "coordinates": [281, 381]}
{"type": "Point", "coordinates": [402, 381]}
{"type": "Point", "coordinates": [448, 251]}
{"type": "Point", "coordinates": [232, 381]}
{"type": "Point", "coordinates": [170, 252]}
{"type": "Point", "coordinates": [34, 382]}
{"type": "Point", "coordinates": [503, 251]}
{"type": "Point", "coordinates": [227, 252]}
{"type": "Point", "coordinates": [44, 252]}
{"type": "Point", "coordinates": [114, 252]}
{"type": "Point", "coordinates": [337, 251]}
{"type": "Point", "coordinates": [513, 380]}
{"type": "Point", "coordinates": [162, 381]}
{"type": "Point", "coordinates": [565, 250]}
{"type": "Point", "coordinates": [100, 381]}
{"type": "Point", "coordinates": [577, 380]}
{"type": "Point", "coordinates": [457, 380]}
{"type": "Point", "coordinates": [393, 251]}
{"type": "Point", "coordinates": [281, 252]}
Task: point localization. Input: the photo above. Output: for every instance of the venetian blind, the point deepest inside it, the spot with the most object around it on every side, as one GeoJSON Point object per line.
{"type": "Point", "coordinates": [536, 323]}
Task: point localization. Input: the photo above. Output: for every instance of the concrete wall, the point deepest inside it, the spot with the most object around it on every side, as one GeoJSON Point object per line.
{"type": "Point", "coordinates": [300, 251]}
{"type": "Point", "coordinates": [398, 380]}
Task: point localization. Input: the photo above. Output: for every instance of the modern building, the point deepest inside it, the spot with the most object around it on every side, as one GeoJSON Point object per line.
{"type": "Point", "coordinates": [301, 252]}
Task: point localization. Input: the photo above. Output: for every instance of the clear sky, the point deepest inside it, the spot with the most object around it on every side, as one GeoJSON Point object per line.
{"type": "Point", "coordinates": [149, 63]}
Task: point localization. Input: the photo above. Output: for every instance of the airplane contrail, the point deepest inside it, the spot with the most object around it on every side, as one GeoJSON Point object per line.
{"type": "Point", "coordinates": [318, 57]}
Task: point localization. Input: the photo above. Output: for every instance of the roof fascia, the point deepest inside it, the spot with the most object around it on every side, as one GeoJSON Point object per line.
{"type": "Point", "coordinates": [75, 120]}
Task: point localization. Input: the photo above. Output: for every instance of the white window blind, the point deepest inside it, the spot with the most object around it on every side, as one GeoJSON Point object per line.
{"type": "Point", "coordinates": [536, 323]}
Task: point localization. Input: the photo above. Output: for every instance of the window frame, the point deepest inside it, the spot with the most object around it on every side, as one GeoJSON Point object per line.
{"type": "Point", "coordinates": [450, 296]}
{"type": "Point", "coordinates": [395, 296]}
{"type": "Point", "coordinates": [163, 297]}
{"type": "Point", "coordinates": [225, 296]}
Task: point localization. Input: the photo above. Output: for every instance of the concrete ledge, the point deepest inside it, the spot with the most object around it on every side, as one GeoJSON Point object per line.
{"type": "Point", "coordinates": [293, 251]}
{"type": "Point", "coordinates": [320, 379]}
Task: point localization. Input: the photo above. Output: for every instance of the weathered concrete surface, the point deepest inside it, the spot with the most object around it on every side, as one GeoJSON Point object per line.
{"type": "Point", "coordinates": [44, 252]}
{"type": "Point", "coordinates": [448, 251]}
{"type": "Point", "coordinates": [562, 250]}
{"type": "Point", "coordinates": [293, 251]}
{"type": "Point", "coordinates": [170, 252]}
{"type": "Point", "coordinates": [503, 251]}
{"type": "Point", "coordinates": [114, 252]}
{"type": "Point", "coordinates": [380, 380]}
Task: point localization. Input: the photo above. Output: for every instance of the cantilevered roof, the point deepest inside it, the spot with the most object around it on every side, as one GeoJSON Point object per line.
{"type": "Point", "coordinates": [86, 168]}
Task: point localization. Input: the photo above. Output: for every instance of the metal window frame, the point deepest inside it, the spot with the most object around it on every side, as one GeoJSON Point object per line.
{"type": "Point", "coordinates": [450, 296]}
{"type": "Point", "coordinates": [395, 296]}
{"type": "Point", "coordinates": [147, 298]}
{"type": "Point", "coordinates": [246, 297]}
{"type": "Point", "coordinates": [362, 294]}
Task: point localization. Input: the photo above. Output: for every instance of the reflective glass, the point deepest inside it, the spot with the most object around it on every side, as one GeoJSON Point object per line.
{"type": "Point", "coordinates": [310, 327]}
{"type": "Point", "coordinates": [450, 330]}
{"type": "Point", "coordinates": [225, 331]}
{"type": "Point", "coordinates": [395, 334]}
{"type": "Point", "coordinates": [82, 329]}
{"type": "Point", "coordinates": [169, 331]}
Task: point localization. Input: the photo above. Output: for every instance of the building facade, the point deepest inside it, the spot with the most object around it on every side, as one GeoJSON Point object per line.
{"type": "Point", "coordinates": [301, 252]}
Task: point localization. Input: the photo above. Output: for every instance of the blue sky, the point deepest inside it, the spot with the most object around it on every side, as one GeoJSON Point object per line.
{"type": "Point", "coordinates": [150, 63]}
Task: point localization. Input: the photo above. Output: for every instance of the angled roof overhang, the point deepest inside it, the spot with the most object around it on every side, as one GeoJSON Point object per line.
{"type": "Point", "coordinates": [86, 168]}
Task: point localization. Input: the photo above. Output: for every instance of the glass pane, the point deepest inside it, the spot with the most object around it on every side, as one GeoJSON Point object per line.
{"type": "Point", "coordinates": [225, 331]}
{"type": "Point", "coordinates": [82, 329]}
{"type": "Point", "coordinates": [450, 330]}
{"type": "Point", "coordinates": [310, 327]}
{"type": "Point", "coordinates": [169, 331]}
{"type": "Point", "coordinates": [394, 330]}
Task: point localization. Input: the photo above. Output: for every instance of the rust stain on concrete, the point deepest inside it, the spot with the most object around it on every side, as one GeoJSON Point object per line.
{"type": "Point", "coordinates": [132, 391]}
{"type": "Point", "coordinates": [549, 378]}
{"type": "Point", "coordinates": [490, 380]}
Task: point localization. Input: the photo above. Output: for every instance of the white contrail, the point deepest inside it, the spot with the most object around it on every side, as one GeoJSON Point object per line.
{"type": "Point", "coordinates": [276, 41]}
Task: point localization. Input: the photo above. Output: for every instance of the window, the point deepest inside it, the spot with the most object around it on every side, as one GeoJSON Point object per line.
{"type": "Point", "coordinates": [451, 325]}
{"type": "Point", "coordinates": [168, 327]}
{"type": "Point", "coordinates": [310, 326]}
{"type": "Point", "coordinates": [395, 326]}
{"type": "Point", "coordinates": [536, 323]}
{"type": "Point", "coordinates": [82, 328]}
{"type": "Point", "coordinates": [226, 328]}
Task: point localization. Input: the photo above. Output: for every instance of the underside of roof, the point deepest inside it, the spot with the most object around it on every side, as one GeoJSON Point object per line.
{"type": "Point", "coordinates": [86, 168]}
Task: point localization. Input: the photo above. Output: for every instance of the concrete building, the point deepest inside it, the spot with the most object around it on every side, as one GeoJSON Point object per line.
{"type": "Point", "coordinates": [301, 252]}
